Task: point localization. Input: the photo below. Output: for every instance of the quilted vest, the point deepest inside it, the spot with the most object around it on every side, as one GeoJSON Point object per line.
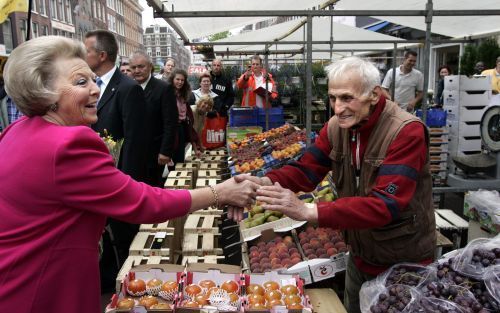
{"type": "Point", "coordinates": [410, 238]}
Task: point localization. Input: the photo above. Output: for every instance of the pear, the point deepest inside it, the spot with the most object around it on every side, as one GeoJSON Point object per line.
{"type": "Point", "coordinates": [272, 218]}
{"type": "Point", "coordinates": [256, 210]}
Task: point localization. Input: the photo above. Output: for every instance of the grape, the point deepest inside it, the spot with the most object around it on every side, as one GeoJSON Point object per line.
{"type": "Point", "coordinates": [406, 275]}
{"type": "Point", "coordinates": [394, 299]}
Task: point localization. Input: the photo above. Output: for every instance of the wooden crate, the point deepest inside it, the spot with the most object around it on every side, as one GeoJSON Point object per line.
{"type": "Point", "coordinates": [168, 226]}
{"type": "Point", "coordinates": [205, 182]}
{"type": "Point", "coordinates": [213, 166]}
{"type": "Point", "coordinates": [201, 244]}
{"type": "Point", "coordinates": [189, 166]}
{"type": "Point", "coordinates": [179, 183]}
{"type": "Point", "coordinates": [136, 260]}
{"type": "Point", "coordinates": [193, 159]}
{"type": "Point", "coordinates": [452, 226]}
{"type": "Point", "coordinates": [217, 152]}
{"type": "Point", "coordinates": [196, 223]}
{"type": "Point", "coordinates": [209, 211]}
{"type": "Point", "coordinates": [214, 159]}
{"type": "Point", "coordinates": [152, 244]}
{"type": "Point", "coordinates": [210, 259]}
{"type": "Point", "coordinates": [213, 174]}
{"type": "Point", "coordinates": [180, 174]}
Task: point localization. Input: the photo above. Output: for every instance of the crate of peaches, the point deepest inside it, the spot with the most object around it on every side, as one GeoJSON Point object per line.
{"type": "Point", "coordinates": [149, 288]}
{"type": "Point", "coordinates": [274, 251]}
{"type": "Point", "coordinates": [324, 249]}
{"type": "Point", "coordinates": [276, 292]}
{"type": "Point", "coordinates": [214, 286]}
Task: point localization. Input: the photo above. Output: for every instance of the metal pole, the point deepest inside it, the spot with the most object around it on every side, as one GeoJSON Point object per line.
{"type": "Point", "coordinates": [308, 80]}
{"type": "Point", "coordinates": [393, 85]}
{"type": "Point", "coordinates": [427, 51]}
{"type": "Point", "coordinates": [266, 109]}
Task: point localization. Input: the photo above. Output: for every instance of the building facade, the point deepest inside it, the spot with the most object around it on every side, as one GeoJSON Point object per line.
{"type": "Point", "coordinates": [161, 42]}
{"type": "Point", "coordinates": [74, 18]}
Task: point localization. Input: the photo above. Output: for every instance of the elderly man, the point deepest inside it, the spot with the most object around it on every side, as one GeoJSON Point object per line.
{"type": "Point", "coordinates": [223, 87]}
{"type": "Point", "coordinates": [379, 157]}
{"type": "Point", "coordinates": [494, 73]}
{"type": "Point", "coordinates": [251, 80]}
{"type": "Point", "coordinates": [159, 102]}
{"type": "Point", "coordinates": [409, 83]}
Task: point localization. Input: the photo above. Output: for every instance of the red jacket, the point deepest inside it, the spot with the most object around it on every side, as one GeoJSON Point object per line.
{"type": "Point", "coordinates": [408, 148]}
{"type": "Point", "coordinates": [248, 86]}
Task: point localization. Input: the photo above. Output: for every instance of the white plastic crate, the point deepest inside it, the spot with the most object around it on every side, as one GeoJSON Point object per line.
{"type": "Point", "coordinates": [464, 129]}
{"type": "Point", "coordinates": [464, 144]}
{"type": "Point", "coordinates": [464, 114]}
{"type": "Point", "coordinates": [464, 83]}
{"type": "Point", "coordinates": [466, 98]}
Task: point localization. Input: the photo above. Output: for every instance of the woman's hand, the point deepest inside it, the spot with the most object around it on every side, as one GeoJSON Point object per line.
{"type": "Point", "coordinates": [277, 198]}
{"type": "Point", "coordinates": [238, 194]}
{"type": "Point", "coordinates": [262, 181]}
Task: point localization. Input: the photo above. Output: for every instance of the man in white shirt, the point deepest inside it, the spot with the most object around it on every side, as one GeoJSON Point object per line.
{"type": "Point", "coordinates": [409, 83]}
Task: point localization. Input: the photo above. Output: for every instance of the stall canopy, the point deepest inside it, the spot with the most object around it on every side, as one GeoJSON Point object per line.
{"type": "Point", "coordinates": [323, 27]}
{"type": "Point", "coordinates": [452, 26]}
{"type": "Point", "coordinates": [201, 27]}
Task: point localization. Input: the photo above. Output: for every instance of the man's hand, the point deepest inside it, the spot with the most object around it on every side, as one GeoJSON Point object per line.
{"type": "Point", "coordinates": [163, 159]}
{"type": "Point", "coordinates": [248, 73]}
{"type": "Point", "coordinates": [263, 181]}
{"type": "Point", "coordinates": [277, 198]}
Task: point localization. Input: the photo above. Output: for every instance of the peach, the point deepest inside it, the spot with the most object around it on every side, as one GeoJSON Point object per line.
{"type": "Point", "coordinates": [288, 239]}
{"type": "Point", "coordinates": [266, 266]}
{"type": "Point", "coordinates": [306, 246]}
{"type": "Point", "coordinates": [295, 260]}
{"type": "Point", "coordinates": [267, 260]}
{"type": "Point", "coordinates": [310, 229]}
{"type": "Point", "coordinates": [320, 251]}
{"type": "Point", "coordinates": [309, 251]}
{"type": "Point", "coordinates": [275, 261]}
{"type": "Point", "coordinates": [254, 254]}
{"type": "Point", "coordinates": [339, 245]}
{"type": "Point", "coordinates": [302, 235]}
{"type": "Point", "coordinates": [328, 245]}
{"type": "Point", "coordinates": [316, 245]}
{"type": "Point", "coordinates": [253, 248]}
{"type": "Point", "coordinates": [295, 255]}
{"type": "Point", "coordinates": [284, 255]}
{"type": "Point", "coordinates": [331, 251]}
{"type": "Point", "coordinates": [276, 266]}
{"type": "Point", "coordinates": [263, 255]}
{"type": "Point", "coordinates": [312, 256]}
{"type": "Point", "coordinates": [292, 250]}
{"type": "Point", "coordinates": [343, 249]}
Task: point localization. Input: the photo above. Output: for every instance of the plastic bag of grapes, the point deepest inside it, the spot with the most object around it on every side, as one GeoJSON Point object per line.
{"type": "Point", "coordinates": [375, 298]}
{"type": "Point", "coordinates": [477, 256]}
{"type": "Point", "coordinates": [435, 305]}
{"type": "Point", "coordinates": [492, 281]}
{"type": "Point", "coordinates": [409, 274]}
{"type": "Point", "coordinates": [458, 294]}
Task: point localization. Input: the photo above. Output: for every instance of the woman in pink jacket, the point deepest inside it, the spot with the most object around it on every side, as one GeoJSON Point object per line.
{"type": "Point", "coordinates": [58, 184]}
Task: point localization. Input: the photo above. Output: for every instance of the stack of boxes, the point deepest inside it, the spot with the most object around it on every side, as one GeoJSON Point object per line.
{"type": "Point", "coordinates": [465, 100]}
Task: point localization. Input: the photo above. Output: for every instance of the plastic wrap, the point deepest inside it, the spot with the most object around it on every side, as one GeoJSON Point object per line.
{"type": "Point", "coordinates": [434, 305]}
{"type": "Point", "coordinates": [477, 256]}
{"type": "Point", "coordinates": [409, 274]}
{"type": "Point", "coordinates": [375, 298]}
{"type": "Point", "coordinates": [491, 279]}
{"type": "Point", "coordinates": [450, 292]}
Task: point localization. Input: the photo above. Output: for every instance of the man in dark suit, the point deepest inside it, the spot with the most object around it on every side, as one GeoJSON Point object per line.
{"type": "Point", "coordinates": [160, 102]}
{"type": "Point", "coordinates": [121, 113]}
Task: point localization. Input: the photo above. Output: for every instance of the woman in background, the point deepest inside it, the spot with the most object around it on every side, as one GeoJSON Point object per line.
{"type": "Point", "coordinates": [443, 71]}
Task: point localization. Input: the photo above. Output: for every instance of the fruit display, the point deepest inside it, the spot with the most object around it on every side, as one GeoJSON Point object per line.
{"type": "Point", "coordinates": [321, 242]}
{"type": "Point", "coordinates": [269, 135]}
{"type": "Point", "coordinates": [224, 295]}
{"type": "Point", "coordinates": [258, 216]}
{"type": "Point", "coordinates": [247, 167]}
{"type": "Point", "coordinates": [394, 299]}
{"type": "Point", "coordinates": [288, 152]}
{"type": "Point", "coordinates": [274, 254]}
{"type": "Point", "coordinates": [269, 294]}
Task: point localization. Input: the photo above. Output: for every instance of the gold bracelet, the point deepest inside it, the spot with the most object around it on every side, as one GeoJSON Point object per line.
{"type": "Point", "coordinates": [216, 196]}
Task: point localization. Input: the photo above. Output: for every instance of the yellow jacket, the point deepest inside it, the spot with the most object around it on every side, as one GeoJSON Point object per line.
{"type": "Point", "coordinates": [495, 79]}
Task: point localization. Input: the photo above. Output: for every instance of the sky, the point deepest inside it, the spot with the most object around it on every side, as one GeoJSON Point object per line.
{"type": "Point", "coordinates": [147, 16]}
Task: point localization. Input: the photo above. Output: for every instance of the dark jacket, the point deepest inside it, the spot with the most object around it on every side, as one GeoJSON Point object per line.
{"type": "Point", "coordinates": [122, 113]}
{"type": "Point", "coordinates": [411, 236]}
{"type": "Point", "coordinates": [223, 87]}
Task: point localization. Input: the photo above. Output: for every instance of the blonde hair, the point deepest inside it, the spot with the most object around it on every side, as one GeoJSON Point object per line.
{"type": "Point", "coordinates": [30, 73]}
{"type": "Point", "coordinates": [205, 99]}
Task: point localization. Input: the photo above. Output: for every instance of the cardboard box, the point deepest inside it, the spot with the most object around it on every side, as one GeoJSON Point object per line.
{"type": "Point", "coordinates": [465, 129]}
{"type": "Point", "coordinates": [322, 269]}
{"type": "Point", "coordinates": [284, 224]}
{"type": "Point", "coordinates": [478, 231]}
{"type": "Point", "coordinates": [455, 98]}
{"type": "Point", "coordinates": [464, 83]}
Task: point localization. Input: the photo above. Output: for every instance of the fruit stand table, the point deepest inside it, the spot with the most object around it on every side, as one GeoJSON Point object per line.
{"type": "Point", "coordinates": [325, 300]}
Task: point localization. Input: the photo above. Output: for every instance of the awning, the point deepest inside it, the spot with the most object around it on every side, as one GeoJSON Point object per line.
{"type": "Point", "coordinates": [377, 26]}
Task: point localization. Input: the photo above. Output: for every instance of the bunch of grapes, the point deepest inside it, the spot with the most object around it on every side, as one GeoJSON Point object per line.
{"type": "Point", "coordinates": [394, 300]}
{"type": "Point", "coordinates": [406, 275]}
{"type": "Point", "coordinates": [430, 305]}
{"type": "Point", "coordinates": [456, 294]}
{"type": "Point", "coordinates": [483, 257]}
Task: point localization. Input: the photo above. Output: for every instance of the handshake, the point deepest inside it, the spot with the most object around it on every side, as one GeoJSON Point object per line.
{"type": "Point", "coordinates": [243, 190]}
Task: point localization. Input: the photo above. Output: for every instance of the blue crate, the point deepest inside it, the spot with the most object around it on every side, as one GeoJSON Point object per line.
{"type": "Point", "coordinates": [275, 115]}
{"type": "Point", "coordinates": [243, 116]}
{"type": "Point", "coordinates": [275, 124]}
{"type": "Point", "coordinates": [435, 117]}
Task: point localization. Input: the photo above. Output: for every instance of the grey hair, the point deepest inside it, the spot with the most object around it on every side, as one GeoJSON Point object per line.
{"type": "Point", "coordinates": [143, 54]}
{"type": "Point", "coordinates": [30, 73]}
{"type": "Point", "coordinates": [368, 74]}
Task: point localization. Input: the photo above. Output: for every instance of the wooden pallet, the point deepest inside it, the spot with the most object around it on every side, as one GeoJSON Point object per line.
{"type": "Point", "coordinates": [168, 226]}
{"type": "Point", "coordinates": [209, 211]}
{"type": "Point", "coordinates": [215, 159]}
{"type": "Point", "coordinates": [180, 174]}
{"type": "Point", "coordinates": [179, 183]}
{"type": "Point", "coordinates": [217, 152]}
{"type": "Point", "coordinates": [136, 260]}
{"type": "Point", "coordinates": [152, 244]}
{"type": "Point", "coordinates": [200, 224]}
{"type": "Point", "coordinates": [201, 244]}
{"type": "Point", "coordinates": [205, 182]}
{"type": "Point", "coordinates": [210, 259]}
{"type": "Point", "coordinates": [193, 159]}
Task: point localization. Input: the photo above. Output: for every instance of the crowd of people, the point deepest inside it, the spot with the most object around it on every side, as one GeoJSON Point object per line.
{"type": "Point", "coordinates": [60, 187]}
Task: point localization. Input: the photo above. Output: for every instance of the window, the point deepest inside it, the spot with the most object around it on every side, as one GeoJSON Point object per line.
{"type": "Point", "coordinates": [7, 35]}
{"type": "Point", "coordinates": [150, 53]}
{"type": "Point", "coordinates": [94, 12]}
{"type": "Point", "coordinates": [55, 31]}
{"type": "Point", "coordinates": [69, 17]}
{"type": "Point", "coordinates": [23, 27]}
{"type": "Point", "coordinates": [45, 30]}
{"type": "Point", "coordinates": [42, 7]}
{"type": "Point", "coordinates": [61, 11]}
{"type": "Point", "coordinates": [169, 52]}
{"type": "Point", "coordinates": [34, 27]}
{"type": "Point", "coordinates": [34, 6]}
{"type": "Point", "coordinates": [53, 9]}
